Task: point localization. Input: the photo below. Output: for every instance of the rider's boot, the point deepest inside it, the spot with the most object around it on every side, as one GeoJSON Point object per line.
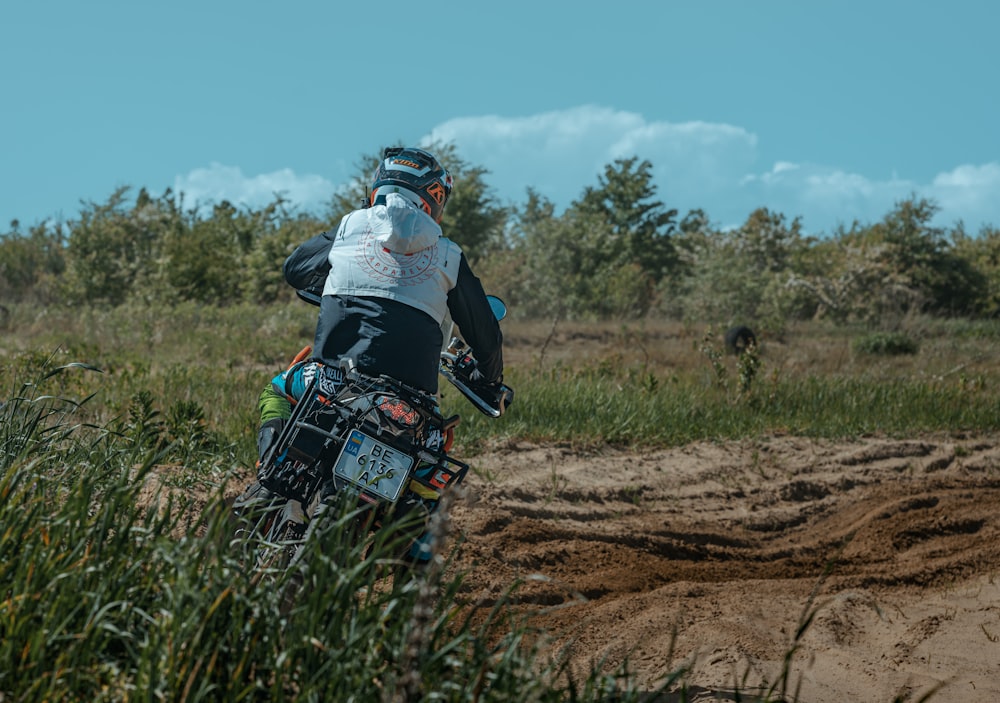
{"type": "Point", "coordinates": [267, 435]}
{"type": "Point", "coordinates": [255, 494]}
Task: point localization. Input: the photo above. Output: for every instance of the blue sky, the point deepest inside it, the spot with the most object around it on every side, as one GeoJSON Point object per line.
{"type": "Point", "coordinates": [831, 111]}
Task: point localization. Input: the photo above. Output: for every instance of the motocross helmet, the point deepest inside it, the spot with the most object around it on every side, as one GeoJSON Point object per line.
{"type": "Point", "coordinates": [416, 175]}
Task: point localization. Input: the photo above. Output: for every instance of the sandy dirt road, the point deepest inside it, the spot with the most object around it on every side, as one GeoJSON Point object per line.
{"type": "Point", "coordinates": [711, 556]}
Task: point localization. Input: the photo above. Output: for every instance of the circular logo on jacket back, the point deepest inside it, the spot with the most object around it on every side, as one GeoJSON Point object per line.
{"type": "Point", "coordinates": [389, 266]}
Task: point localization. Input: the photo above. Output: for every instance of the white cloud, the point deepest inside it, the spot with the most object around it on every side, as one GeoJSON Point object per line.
{"type": "Point", "coordinates": [826, 197]}
{"type": "Point", "coordinates": [219, 182]}
{"type": "Point", "coordinates": [704, 165]}
{"type": "Point", "coordinates": [560, 153]}
{"type": "Point", "coordinates": [970, 189]}
{"type": "Point", "coordinates": [711, 166]}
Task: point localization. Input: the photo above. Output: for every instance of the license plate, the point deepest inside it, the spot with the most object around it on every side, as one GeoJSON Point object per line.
{"type": "Point", "coordinates": [375, 467]}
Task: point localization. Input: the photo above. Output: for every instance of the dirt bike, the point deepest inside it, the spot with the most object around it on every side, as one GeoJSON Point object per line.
{"type": "Point", "coordinates": [371, 446]}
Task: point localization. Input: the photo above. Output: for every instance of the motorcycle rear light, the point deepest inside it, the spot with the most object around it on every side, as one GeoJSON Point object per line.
{"type": "Point", "coordinates": [398, 411]}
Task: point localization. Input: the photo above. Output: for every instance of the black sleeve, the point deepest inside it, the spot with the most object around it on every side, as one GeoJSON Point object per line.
{"type": "Point", "coordinates": [472, 313]}
{"type": "Point", "coordinates": [306, 267]}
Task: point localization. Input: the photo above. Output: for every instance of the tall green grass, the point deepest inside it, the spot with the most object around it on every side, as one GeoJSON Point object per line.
{"type": "Point", "coordinates": [198, 371]}
{"type": "Point", "coordinates": [626, 409]}
{"type": "Point", "coordinates": [107, 595]}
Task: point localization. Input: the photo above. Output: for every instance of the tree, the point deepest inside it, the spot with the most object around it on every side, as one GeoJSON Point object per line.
{"type": "Point", "coordinates": [738, 275]}
{"type": "Point", "coordinates": [511, 272]}
{"type": "Point", "coordinates": [982, 253]}
{"type": "Point", "coordinates": [573, 264]}
{"type": "Point", "coordinates": [262, 279]}
{"type": "Point", "coordinates": [473, 219]}
{"type": "Point", "coordinates": [201, 262]}
{"type": "Point", "coordinates": [900, 265]}
{"type": "Point", "coordinates": [235, 254]}
{"type": "Point", "coordinates": [640, 227]}
{"type": "Point", "coordinates": [918, 264]}
{"type": "Point", "coordinates": [113, 251]}
{"type": "Point", "coordinates": [30, 263]}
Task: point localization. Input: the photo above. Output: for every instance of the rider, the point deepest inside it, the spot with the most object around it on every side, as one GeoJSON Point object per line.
{"type": "Point", "coordinates": [388, 279]}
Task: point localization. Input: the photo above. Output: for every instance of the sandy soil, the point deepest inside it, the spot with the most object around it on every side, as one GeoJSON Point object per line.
{"type": "Point", "coordinates": [875, 562]}
{"type": "Point", "coordinates": [711, 557]}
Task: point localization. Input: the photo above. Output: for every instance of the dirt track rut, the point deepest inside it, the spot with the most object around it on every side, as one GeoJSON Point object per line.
{"type": "Point", "coordinates": [708, 555]}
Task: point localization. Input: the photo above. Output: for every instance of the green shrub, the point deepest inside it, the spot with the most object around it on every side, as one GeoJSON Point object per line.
{"type": "Point", "coordinates": [886, 344]}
